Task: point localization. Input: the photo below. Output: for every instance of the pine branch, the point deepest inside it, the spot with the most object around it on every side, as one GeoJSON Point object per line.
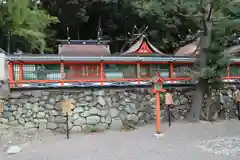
{"type": "Point", "coordinates": [209, 15]}
{"type": "Point", "coordinates": [190, 38]}
{"type": "Point", "coordinates": [223, 18]}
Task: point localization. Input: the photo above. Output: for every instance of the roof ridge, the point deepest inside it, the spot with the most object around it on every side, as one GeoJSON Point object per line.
{"type": "Point", "coordinates": [138, 44]}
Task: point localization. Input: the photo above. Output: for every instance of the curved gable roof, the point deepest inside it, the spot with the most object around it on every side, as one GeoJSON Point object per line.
{"type": "Point", "coordinates": [142, 47]}
{"type": "Point", "coordinates": [192, 49]}
{"type": "Point", "coordinates": [188, 50]}
{"type": "Point", "coordinates": [234, 50]}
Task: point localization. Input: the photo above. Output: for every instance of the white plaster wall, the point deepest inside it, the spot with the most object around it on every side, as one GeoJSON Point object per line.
{"type": "Point", "coordinates": [4, 74]}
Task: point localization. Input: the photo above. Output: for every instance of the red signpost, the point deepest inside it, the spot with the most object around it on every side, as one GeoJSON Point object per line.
{"type": "Point", "coordinates": [157, 89]}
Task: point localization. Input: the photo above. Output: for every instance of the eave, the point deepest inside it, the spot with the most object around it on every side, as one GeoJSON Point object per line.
{"type": "Point", "coordinates": [51, 58]}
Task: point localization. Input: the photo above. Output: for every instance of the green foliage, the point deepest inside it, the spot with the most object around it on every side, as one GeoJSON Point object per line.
{"type": "Point", "coordinates": [90, 129]}
{"type": "Point", "coordinates": [169, 21]}
{"type": "Point", "coordinates": [224, 24]}
{"type": "Point", "coordinates": [27, 21]}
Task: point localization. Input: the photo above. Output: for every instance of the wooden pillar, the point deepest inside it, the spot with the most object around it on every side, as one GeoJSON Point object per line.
{"type": "Point", "coordinates": [171, 72]}
{"type": "Point", "coordinates": [158, 114]}
{"type": "Point", "coordinates": [20, 74]}
{"type": "Point", "coordinates": [10, 69]}
{"type": "Point", "coordinates": [101, 73]}
{"type": "Point", "coordinates": [138, 72]}
{"type": "Point", "coordinates": [62, 73]}
{"type": "Point", "coordinates": [228, 73]}
{"type": "Point", "coordinates": [157, 90]}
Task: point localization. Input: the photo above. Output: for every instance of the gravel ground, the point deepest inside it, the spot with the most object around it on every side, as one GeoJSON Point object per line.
{"type": "Point", "coordinates": [183, 141]}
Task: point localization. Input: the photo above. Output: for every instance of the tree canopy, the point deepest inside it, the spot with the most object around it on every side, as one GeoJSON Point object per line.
{"type": "Point", "coordinates": [169, 21]}
{"type": "Point", "coordinates": [26, 20]}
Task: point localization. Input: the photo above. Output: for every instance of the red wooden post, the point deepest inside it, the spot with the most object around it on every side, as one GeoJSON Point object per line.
{"type": "Point", "coordinates": [10, 69]}
{"type": "Point", "coordinates": [138, 72]}
{"type": "Point", "coordinates": [158, 114]}
{"type": "Point", "coordinates": [157, 90]}
{"type": "Point", "coordinates": [101, 73]}
{"type": "Point", "coordinates": [20, 74]}
{"type": "Point", "coordinates": [228, 73]}
{"type": "Point", "coordinates": [62, 73]}
{"type": "Point", "coordinates": [171, 72]}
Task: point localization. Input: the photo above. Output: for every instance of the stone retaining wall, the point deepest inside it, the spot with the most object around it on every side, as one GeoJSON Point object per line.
{"type": "Point", "coordinates": [101, 109]}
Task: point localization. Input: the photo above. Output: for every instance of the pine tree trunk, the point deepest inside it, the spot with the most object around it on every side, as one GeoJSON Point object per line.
{"type": "Point", "coordinates": [209, 105]}
{"type": "Point", "coordinates": [195, 110]}
{"type": "Point", "coordinates": [202, 85]}
{"type": "Point", "coordinates": [216, 105]}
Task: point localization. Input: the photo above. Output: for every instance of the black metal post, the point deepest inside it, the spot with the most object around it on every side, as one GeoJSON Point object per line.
{"type": "Point", "coordinates": [169, 115]}
{"type": "Point", "coordinates": [238, 110]}
{"type": "Point", "coordinates": [8, 42]}
{"type": "Point", "coordinates": [67, 125]}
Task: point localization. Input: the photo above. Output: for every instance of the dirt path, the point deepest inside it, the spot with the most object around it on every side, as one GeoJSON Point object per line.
{"type": "Point", "coordinates": [181, 142]}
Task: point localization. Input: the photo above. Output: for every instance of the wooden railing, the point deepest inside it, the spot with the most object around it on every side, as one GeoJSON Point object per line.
{"type": "Point", "coordinates": [25, 73]}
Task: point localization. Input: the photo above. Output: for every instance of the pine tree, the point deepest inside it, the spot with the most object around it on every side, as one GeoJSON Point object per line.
{"type": "Point", "coordinates": [218, 22]}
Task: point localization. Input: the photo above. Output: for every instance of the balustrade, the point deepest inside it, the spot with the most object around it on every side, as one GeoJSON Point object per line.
{"type": "Point", "coordinates": [61, 73]}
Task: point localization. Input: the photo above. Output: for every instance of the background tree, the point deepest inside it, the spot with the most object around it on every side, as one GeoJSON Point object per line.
{"type": "Point", "coordinates": [217, 21]}
{"type": "Point", "coordinates": [26, 20]}
{"type": "Point", "coordinates": [166, 29]}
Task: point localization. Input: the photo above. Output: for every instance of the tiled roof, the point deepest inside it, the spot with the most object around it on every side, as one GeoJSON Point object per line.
{"type": "Point", "coordinates": [235, 50]}
{"type": "Point", "coordinates": [188, 50]}
{"type": "Point", "coordinates": [133, 50]}
{"type": "Point", "coordinates": [193, 49]}
{"type": "Point", "coordinates": [84, 50]}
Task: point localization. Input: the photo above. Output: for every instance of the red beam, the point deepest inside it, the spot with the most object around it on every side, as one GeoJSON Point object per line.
{"type": "Point", "coordinates": [175, 62]}
{"type": "Point", "coordinates": [96, 80]}
{"type": "Point", "coordinates": [37, 81]}
{"type": "Point", "coordinates": [120, 62]}
{"type": "Point", "coordinates": [38, 62]}
{"type": "Point", "coordinates": [232, 77]}
{"type": "Point", "coordinates": [79, 62]}
{"type": "Point", "coordinates": [106, 80]}
{"type": "Point", "coordinates": [105, 62]}
{"type": "Point", "coordinates": [238, 63]}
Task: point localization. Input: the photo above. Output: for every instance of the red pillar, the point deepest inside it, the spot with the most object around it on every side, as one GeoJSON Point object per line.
{"type": "Point", "coordinates": [171, 72]}
{"type": "Point", "coordinates": [138, 72]}
{"type": "Point", "coordinates": [101, 73]}
{"type": "Point", "coordinates": [10, 69]}
{"type": "Point", "coordinates": [62, 74]}
{"type": "Point", "coordinates": [158, 114]}
{"type": "Point", "coordinates": [20, 74]}
{"type": "Point", "coordinates": [228, 72]}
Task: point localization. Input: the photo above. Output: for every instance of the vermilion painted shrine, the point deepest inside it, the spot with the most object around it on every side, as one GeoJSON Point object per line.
{"type": "Point", "coordinates": [90, 63]}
